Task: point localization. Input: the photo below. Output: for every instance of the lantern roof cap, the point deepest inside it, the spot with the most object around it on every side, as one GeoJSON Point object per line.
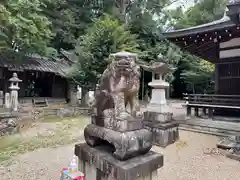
{"type": "Point", "coordinates": [15, 78]}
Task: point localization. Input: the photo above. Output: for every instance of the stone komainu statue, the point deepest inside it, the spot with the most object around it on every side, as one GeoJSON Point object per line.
{"type": "Point", "coordinates": [118, 88]}
{"type": "Point", "coordinates": [111, 121]}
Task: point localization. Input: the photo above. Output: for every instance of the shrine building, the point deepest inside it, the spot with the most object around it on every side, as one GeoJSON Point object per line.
{"type": "Point", "coordinates": [219, 43]}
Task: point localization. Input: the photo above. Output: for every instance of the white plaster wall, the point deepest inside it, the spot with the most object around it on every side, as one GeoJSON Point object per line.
{"type": "Point", "coordinates": [229, 53]}
{"type": "Point", "coordinates": [231, 43]}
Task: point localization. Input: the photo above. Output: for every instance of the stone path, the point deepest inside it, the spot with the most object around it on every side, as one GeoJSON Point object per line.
{"type": "Point", "coordinates": [191, 158]}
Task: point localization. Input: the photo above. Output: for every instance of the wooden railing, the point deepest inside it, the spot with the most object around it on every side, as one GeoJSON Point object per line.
{"type": "Point", "coordinates": [212, 99]}
{"type": "Point", "coordinates": [209, 103]}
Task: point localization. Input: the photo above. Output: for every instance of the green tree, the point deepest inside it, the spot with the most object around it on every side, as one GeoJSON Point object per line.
{"type": "Point", "coordinates": [197, 74]}
{"type": "Point", "coordinates": [26, 28]}
{"type": "Point", "coordinates": [203, 12]}
{"type": "Point", "coordinates": [70, 20]}
{"type": "Point", "coordinates": [146, 20]}
{"type": "Point", "coordinates": [107, 35]}
{"type": "Point", "coordinates": [4, 40]}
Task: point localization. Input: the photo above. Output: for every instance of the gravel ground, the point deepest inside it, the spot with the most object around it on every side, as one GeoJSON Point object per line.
{"type": "Point", "coordinates": [184, 160]}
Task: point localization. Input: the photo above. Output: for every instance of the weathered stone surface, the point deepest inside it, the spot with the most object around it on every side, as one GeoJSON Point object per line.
{"type": "Point", "coordinates": [156, 116]}
{"type": "Point", "coordinates": [8, 124]}
{"type": "Point", "coordinates": [14, 91]}
{"type": "Point", "coordinates": [158, 101]}
{"type": "Point", "coordinates": [228, 143]}
{"type": "Point", "coordinates": [164, 134]}
{"type": "Point", "coordinates": [65, 112]}
{"type": "Point", "coordinates": [233, 156]}
{"type": "Point", "coordinates": [111, 120]}
{"type": "Point", "coordinates": [127, 144]}
{"type": "Point", "coordinates": [121, 125]}
{"type": "Point", "coordinates": [233, 145]}
{"type": "Point", "coordinates": [99, 164]}
{"type": "Point", "coordinates": [1, 98]}
{"type": "Point", "coordinates": [7, 100]}
{"type": "Point", "coordinates": [119, 86]}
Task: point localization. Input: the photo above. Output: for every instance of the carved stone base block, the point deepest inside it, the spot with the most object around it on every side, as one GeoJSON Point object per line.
{"type": "Point", "coordinates": [229, 143]}
{"type": "Point", "coordinates": [121, 125]}
{"type": "Point", "coordinates": [233, 145]}
{"type": "Point", "coordinates": [156, 116]}
{"type": "Point", "coordinates": [99, 164]}
{"type": "Point", "coordinates": [127, 144]}
{"type": "Point", "coordinates": [234, 155]}
{"type": "Point", "coordinates": [164, 134]}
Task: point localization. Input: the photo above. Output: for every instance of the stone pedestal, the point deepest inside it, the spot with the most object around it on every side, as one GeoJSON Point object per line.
{"type": "Point", "coordinates": [164, 128]}
{"type": "Point", "coordinates": [99, 164]}
{"type": "Point", "coordinates": [1, 98]}
{"type": "Point", "coordinates": [163, 133]}
{"type": "Point", "coordinates": [158, 117]}
{"type": "Point", "coordinates": [73, 94]}
{"type": "Point", "coordinates": [126, 144]}
{"type": "Point", "coordinates": [7, 100]}
{"type": "Point", "coordinates": [232, 144]}
{"type": "Point", "coordinates": [8, 123]}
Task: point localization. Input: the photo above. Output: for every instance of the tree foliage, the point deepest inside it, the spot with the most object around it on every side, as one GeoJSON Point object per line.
{"type": "Point", "coordinates": [107, 35]}
{"type": "Point", "coordinates": [25, 27]}
{"type": "Point", "coordinates": [203, 12]}
{"type": "Point", "coordinates": [69, 19]}
{"type": "Point", "coordinates": [197, 74]}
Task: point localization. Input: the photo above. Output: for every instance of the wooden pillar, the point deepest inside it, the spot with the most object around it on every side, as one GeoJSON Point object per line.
{"type": "Point", "coordinates": [25, 85]}
{"type": "Point", "coordinates": [210, 112]}
{"type": "Point", "coordinates": [53, 85]}
{"type": "Point", "coordinates": [196, 111]}
{"type": "Point", "coordinates": [216, 79]}
{"type": "Point", "coordinates": [188, 111]}
{"type": "Point", "coordinates": [204, 111]}
{"type": "Point", "coordinates": [142, 84]}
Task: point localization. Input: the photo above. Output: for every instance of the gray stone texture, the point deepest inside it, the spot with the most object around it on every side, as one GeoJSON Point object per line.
{"type": "Point", "coordinates": [232, 144]}
{"type": "Point", "coordinates": [164, 134]}
{"type": "Point", "coordinates": [156, 116]}
{"type": "Point", "coordinates": [163, 127]}
{"type": "Point", "coordinates": [112, 120]}
{"type": "Point", "coordinates": [234, 156]}
{"type": "Point", "coordinates": [8, 124]}
{"type": "Point", "coordinates": [99, 164]}
{"type": "Point", "coordinates": [127, 144]}
{"type": "Point", "coordinates": [122, 125]}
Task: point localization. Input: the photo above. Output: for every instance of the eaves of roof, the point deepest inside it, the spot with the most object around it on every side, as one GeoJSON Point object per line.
{"type": "Point", "coordinates": [212, 26]}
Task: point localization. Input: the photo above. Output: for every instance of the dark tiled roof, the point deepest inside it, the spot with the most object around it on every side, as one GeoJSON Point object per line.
{"type": "Point", "coordinates": [42, 64]}
{"type": "Point", "coordinates": [212, 26]}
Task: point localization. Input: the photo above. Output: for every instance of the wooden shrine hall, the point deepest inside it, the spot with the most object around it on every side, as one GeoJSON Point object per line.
{"type": "Point", "coordinates": [219, 43]}
{"type": "Point", "coordinates": [42, 78]}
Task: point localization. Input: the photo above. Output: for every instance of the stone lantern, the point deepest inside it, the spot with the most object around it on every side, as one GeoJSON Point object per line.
{"type": "Point", "coordinates": [158, 117]}
{"type": "Point", "coordinates": [14, 91]}
{"type": "Point", "coordinates": [159, 85]}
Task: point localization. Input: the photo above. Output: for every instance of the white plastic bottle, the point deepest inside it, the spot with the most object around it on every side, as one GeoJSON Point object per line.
{"type": "Point", "coordinates": [73, 167]}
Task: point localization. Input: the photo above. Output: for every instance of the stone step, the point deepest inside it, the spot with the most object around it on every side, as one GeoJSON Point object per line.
{"type": "Point", "coordinates": [218, 128]}
{"type": "Point", "coordinates": [233, 156]}
{"type": "Point", "coordinates": [201, 131]}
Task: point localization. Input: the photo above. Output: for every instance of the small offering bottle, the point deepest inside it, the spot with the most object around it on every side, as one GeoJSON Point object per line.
{"type": "Point", "coordinates": [73, 167]}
